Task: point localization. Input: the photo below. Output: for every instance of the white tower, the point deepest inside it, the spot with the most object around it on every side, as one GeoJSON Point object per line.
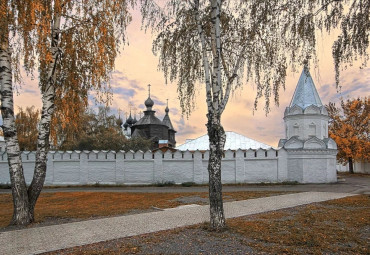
{"type": "Point", "coordinates": [311, 154]}
{"type": "Point", "coordinates": [306, 118]}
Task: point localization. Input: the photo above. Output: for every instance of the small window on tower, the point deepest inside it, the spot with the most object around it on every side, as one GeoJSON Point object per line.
{"type": "Point", "coordinates": [296, 129]}
{"type": "Point", "coordinates": [312, 130]}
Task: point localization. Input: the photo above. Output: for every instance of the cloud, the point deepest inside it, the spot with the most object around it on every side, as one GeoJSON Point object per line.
{"type": "Point", "coordinates": [188, 131]}
{"type": "Point", "coordinates": [124, 92]}
{"type": "Point", "coordinates": [118, 79]}
{"type": "Point", "coordinates": [180, 122]}
{"type": "Point", "coordinates": [30, 91]}
{"type": "Point", "coordinates": [174, 111]}
{"type": "Point", "coordinates": [157, 101]}
{"type": "Point", "coordinates": [324, 91]}
{"type": "Point", "coordinates": [358, 89]}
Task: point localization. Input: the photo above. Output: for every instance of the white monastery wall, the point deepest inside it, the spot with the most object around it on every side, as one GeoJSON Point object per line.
{"type": "Point", "coordinates": [107, 167]}
{"type": "Point", "coordinates": [358, 167]}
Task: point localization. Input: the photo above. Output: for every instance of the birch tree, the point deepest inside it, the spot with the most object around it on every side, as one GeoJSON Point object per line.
{"type": "Point", "coordinates": [218, 45]}
{"type": "Point", "coordinates": [73, 44]}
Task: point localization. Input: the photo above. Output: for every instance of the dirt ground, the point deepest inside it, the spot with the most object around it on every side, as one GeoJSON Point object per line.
{"type": "Point", "coordinates": [335, 227]}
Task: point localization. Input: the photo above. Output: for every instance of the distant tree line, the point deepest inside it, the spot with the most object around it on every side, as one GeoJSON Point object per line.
{"type": "Point", "coordinates": [99, 130]}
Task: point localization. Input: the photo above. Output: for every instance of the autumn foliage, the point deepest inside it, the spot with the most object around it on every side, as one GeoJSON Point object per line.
{"type": "Point", "coordinates": [89, 130]}
{"type": "Point", "coordinates": [349, 128]}
{"type": "Point", "coordinates": [26, 124]}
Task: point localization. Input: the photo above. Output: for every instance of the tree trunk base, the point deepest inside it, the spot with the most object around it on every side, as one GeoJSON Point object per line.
{"type": "Point", "coordinates": [22, 218]}
{"type": "Point", "coordinates": [350, 163]}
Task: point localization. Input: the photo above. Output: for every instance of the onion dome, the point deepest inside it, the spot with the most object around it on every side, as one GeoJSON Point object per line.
{"type": "Point", "coordinates": [149, 103]}
{"type": "Point", "coordinates": [130, 120]}
{"type": "Point", "coordinates": [134, 120]}
{"type": "Point", "coordinates": [167, 110]}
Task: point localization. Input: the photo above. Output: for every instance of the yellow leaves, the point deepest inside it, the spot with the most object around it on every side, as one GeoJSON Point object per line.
{"type": "Point", "coordinates": [349, 128]}
{"type": "Point", "coordinates": [26, 124]}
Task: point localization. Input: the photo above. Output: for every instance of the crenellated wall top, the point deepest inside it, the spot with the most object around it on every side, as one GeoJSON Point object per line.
{"type": "Point", "coordinates": [132, 155]}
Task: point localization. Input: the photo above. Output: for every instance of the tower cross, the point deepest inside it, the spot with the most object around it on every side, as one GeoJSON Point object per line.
{"type": "Point", "coordinates": [149, 89]}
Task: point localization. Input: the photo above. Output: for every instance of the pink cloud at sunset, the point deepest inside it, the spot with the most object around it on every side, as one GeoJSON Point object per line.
{"type": "Point", "coordinates": [136, 67]}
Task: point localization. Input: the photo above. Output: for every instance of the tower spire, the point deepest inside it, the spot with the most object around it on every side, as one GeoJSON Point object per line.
{"type": "Point", "coordinates": [305, 93]}
{"type": "Point", "coordinates": [167, 109]}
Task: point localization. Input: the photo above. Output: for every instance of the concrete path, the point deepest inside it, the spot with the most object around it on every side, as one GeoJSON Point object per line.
{"type": "Point", "coordinates": [50, 238]}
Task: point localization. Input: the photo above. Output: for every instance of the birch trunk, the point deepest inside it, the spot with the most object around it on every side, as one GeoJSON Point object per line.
{"type": "Point", "coordinates": [217, 138]}
{"type": "Point", "coordinates": [216, 132]}
{"type": "Point", "coordinates": [48, 99]}
{"type": "Point", "coordinates": [21, 213]}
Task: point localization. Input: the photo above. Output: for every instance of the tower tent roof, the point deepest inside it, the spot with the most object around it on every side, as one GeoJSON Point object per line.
{"type": "Point", "coordinates": [305, 93]}
{"type": "Point", "coordinates": [167, 120]}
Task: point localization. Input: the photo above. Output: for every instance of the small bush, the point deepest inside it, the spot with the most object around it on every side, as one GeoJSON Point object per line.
{"type": "Point", "coordinates": [5, 186]}
{"type": "Point", "coordinates": [187, 184]}
{"type": "Point", "coordinates": [165, 184]}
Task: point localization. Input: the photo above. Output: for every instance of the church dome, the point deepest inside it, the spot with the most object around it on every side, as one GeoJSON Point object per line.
{"type": "Point", "coordinates": [130, 120]}
{"type": "Point", "coordinates": [149, 103]}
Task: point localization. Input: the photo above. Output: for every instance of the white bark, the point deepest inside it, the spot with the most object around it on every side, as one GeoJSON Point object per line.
{"type": "Point", "coordinates": [216, 49]}
{"type": "Point", "coordinates": [21, 214]}
{"type": "Point", "coordinates": [216, 132]}
{"type": "Point", "coordinates": [48, 97]}
{"type": "Point", "coordinates": [206, 65]}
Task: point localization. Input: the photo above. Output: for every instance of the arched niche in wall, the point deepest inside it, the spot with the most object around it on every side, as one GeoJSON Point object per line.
{"type": "Point", "coordinates": [314, 143]}
{"type": "Point", "coordinates": [312, 130]}
{"type": "Point", "coordinates": [296, 110]}
{"type": "Point", "coordinates": [286, 130]}
{"type": "Point", "coordinates": [324, 131]}
{"type": "Point", "coordinates": [296, 129]}
{"type": "Point", "coordinates": [312, 109]}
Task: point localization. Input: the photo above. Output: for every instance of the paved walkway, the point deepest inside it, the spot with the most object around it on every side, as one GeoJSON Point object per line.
{"type": "Point", "coordinates": [50, 238]}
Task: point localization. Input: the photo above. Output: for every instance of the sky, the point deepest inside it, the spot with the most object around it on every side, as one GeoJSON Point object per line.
{"type": "Point", "coordinates": [136, 67]}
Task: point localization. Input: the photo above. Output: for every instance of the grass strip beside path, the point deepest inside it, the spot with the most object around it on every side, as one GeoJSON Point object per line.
{"type": "Point", "coordinates": [61, 207]}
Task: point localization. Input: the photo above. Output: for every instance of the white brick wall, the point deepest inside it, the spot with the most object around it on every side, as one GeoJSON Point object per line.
{"type": "Point", "coordinates": [106, 167]}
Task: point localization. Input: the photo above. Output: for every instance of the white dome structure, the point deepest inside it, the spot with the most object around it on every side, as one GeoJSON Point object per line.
{"type": "Point", "coordinates": [234, 141]}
